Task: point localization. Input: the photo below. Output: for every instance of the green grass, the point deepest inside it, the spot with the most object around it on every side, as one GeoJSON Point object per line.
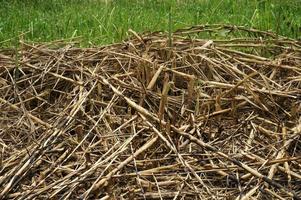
{"type": "Point", "coordinates": [100, 23]}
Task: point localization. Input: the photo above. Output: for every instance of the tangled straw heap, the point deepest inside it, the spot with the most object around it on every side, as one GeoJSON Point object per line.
{"type": "Point", "coordinates": [153, 118]}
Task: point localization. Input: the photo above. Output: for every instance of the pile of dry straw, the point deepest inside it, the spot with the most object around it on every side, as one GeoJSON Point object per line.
{"type": "Point", "coordinates": [153, 118]}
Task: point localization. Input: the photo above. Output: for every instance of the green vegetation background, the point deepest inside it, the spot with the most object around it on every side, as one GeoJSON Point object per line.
{"type": "Point", "coordinates": [98, 22]}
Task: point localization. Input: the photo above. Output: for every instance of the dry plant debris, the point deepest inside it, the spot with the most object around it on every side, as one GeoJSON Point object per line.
{"type": "Point", "coordinates": [200, 119]}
